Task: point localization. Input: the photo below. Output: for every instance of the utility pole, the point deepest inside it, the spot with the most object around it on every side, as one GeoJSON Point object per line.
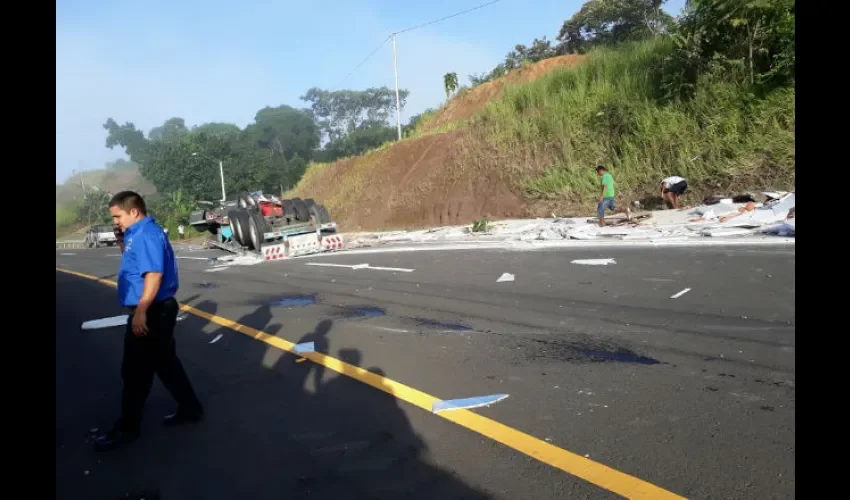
{"type": "Point", "coordinates": [397, 103]}
{"type": "Point", "coordinates": [221, 173]}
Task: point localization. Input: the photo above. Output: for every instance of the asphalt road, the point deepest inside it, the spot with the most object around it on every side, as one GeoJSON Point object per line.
{"type": "Point", "coordinates": [694, 394]}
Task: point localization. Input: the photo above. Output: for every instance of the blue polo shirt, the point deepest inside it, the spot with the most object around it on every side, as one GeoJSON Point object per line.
{"type": "Point", "coordinates": [146, 250]}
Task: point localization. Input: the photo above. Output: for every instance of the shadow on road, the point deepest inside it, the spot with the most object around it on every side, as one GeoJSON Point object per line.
{"type": "Point", "coordinates": [276, 427]}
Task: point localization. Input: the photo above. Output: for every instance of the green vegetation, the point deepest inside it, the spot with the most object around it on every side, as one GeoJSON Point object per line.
{"type": "Point", "coordinates": [608, 111]}
{"type": "Point", "coordinates": [709, 96]}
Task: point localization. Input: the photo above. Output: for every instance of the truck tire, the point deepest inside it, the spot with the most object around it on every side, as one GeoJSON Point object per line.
{"type": "Point", "coordinates": [246, 201]}
{"type": "Point", "coordinates": [319, 213]}
{"type": "Point", "coordinates": [236, 225]}
{"type": "Point", "coordinates": [256, 227]}
{"type": "Point", "coordinates": [301, 211]}
{"type": "Point", "coordinates": [288, 210]}
{"type": "Point", "coordinates": [326, 217]}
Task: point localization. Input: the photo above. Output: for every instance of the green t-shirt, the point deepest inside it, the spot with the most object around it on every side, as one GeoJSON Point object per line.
{"type": "Point", "coordinates": [608, 182]}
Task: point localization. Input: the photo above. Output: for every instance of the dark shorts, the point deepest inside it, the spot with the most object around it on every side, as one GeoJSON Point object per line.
{"type": "Point", "coordinates": [678, 188]}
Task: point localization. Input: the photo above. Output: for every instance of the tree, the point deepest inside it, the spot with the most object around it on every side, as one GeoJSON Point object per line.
{"type": "Point", "coordinates": [341, 112]}
{"type": "Point", "coordinates": [450, 84]}
{"type": "Point", "coordinates": [746, 41]}
{"type": "Point", "coordinates": [127, 136]}
{"type": "Point", "coordinates": [609, 22]}
{"type": "Point", "coordinates": [173, 127]}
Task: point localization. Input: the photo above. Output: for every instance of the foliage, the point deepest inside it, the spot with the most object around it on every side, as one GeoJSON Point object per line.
{"type": "Point", "coordinates": [748, 42]}
{"type": "Point", "coordinates": [552, 131]}
{"type": "Point", "coordinates": [611, 22]}
{"type": "Point", "coordinates": [540, 49]}
{"type": "Point", "coordinates": [450, 84]}
{"type": "Point", "coordinates": [341, 112]}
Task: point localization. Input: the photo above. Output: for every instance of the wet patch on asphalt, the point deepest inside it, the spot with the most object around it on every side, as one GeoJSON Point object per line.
{"type": "Point", "coordinates": [293, 301]}
{"type": "Point", "coordinates": [439, 325]}
{"type": "Point", "coordinates": [582, 352]}
{"type": "Point", "coordinates": [206, 284]}
{"type": "Point", "coordinates": [349, 312]}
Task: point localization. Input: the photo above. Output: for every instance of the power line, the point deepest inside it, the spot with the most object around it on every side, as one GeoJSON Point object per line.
{"type": "Point", "coordinates": [447, 17]}
{"type": "Point", "coordinates": [362, 62]}
{"type": "Point", "coordinates": [411, 29]}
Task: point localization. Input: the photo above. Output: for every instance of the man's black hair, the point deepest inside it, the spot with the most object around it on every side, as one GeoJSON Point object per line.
{"type": "Point", "coordinates": [128, 200]}
{"type": "Point", "coordinates": [600, 167]}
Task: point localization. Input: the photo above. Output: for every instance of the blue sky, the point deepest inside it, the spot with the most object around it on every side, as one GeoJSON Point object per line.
{"type": "Point", "coordinates": [223, 60]}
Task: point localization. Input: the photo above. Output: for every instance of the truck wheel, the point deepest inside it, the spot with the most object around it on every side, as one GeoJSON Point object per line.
{"type": "Point", "coordinates": [288, 209]}
{"type": "Point", "coordinates": [236, 226]}
{"type": "Point", "coordinates": [256, 229]}
{"type": "Point", "coordinates": [319, 213]}
{"type": "Point", "coordinates": [245, 200]}
{"type": "Point", "coordinates": [326, 217]}
{"type": "Point", "coordinates": [301, 211]}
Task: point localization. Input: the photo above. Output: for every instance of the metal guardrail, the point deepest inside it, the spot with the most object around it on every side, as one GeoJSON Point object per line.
{"type": "Point", "coordinates": [71, 244]}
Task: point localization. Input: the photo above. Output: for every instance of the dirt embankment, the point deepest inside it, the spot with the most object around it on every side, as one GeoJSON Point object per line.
{"type": "Point", "coordinates": [464, 106]}
{"type": "Point", "coordinates": [415, 183]}
{"type": "Point", "coordinates": [423, 182]}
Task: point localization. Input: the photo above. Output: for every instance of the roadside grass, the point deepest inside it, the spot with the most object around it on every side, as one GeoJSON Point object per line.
{"type": "Point", "coordinates": [548, 135]}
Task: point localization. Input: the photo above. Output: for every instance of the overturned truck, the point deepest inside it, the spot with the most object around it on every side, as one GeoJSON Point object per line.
{"type": "Point", "coordinates": [268, 226]}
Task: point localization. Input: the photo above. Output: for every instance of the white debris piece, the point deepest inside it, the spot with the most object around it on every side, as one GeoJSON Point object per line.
{"type": "Point", "coordinates": [505, 277]}
{"type": "Point", "coordinates": [594, 262]}
{"type": "Point", "coordinates": [97, 324]}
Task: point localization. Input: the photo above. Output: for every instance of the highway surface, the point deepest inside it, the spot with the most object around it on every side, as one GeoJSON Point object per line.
{"type": "Point", "coordinates": [614, 388]}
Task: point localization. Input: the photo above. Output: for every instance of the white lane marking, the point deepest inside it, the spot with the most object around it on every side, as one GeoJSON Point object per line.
{"type": "Point", "coordinates": [67, 253]}
{"type": "Point", "coordinates": [217, 338]}
{"type": "Point", "coordinates": [216, 269]}
{"type": "Point", "coordinates": [594, 262]}
{"type": "Point", "coordinates": [676, 296]}
{"type": "Point", "coordinates": [361, 266]}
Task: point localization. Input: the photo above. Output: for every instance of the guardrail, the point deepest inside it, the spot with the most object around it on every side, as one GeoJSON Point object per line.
{"type": "Point", "coordinates": [71, 244]}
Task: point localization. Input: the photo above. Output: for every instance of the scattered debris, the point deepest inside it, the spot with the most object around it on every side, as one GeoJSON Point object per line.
{"type": "Point", "coordinates": [594, 262]}
{"type": "Point", "coordinates": [305, 347]}
{"type": "Point", "coordinates": [217, 338]}
{"type": "Point", "coordinates": [679, 294]}
{"type": "Point", "coordinates": [466, 403]}
{"type": "Point", "coordinates": [505, 277]}
{"type": "Point", "coordinates": [97, 324]}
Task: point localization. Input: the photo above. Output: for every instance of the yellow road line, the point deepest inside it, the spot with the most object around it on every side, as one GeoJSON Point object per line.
{"type": "Point", "coordinates": [593, 472]}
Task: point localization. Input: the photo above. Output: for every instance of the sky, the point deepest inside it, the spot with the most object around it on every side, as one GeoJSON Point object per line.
{"type": "Point", "coordinates": [223, 60]}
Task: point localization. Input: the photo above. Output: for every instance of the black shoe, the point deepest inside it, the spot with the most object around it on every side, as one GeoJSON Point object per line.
{"type": "Point", "coordinates": [114, 439]}
{"type": "Point", "coordinates": [182, 418]}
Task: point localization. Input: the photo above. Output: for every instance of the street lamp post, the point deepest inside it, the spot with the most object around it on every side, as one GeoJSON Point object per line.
{"type": "Point", "coordinates": [220, 172]}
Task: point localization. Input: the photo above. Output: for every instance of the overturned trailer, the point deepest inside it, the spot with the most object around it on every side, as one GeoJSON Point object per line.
{"type": "Point", "coordinates": [268, 226]}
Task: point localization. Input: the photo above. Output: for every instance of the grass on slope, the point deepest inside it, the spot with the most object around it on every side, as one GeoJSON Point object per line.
{"type": "Point", "coordinates": [550, 133]}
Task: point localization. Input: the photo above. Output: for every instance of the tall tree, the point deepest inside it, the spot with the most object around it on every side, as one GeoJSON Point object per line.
{"type": "Point", "coordinates": [608, 22]}
{"type": "Point", "coordinates": [340, 112]}
{"type": "Point", "coordinates": [450, 84]}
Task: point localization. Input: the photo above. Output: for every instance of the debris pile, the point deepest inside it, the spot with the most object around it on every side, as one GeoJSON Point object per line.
{"type": "Point", "coordinates": [716, 218]}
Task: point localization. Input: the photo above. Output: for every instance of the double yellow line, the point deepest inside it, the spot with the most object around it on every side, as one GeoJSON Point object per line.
{"type": "Point", "coordinates": [577, 465]}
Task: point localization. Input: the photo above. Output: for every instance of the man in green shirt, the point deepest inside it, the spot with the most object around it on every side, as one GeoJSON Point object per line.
{"type": "Point", "coordinates": [606, 200]}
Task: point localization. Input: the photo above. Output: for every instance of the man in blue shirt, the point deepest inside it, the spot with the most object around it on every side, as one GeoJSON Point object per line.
{"type": "Point", "coordinates": [147, 283]}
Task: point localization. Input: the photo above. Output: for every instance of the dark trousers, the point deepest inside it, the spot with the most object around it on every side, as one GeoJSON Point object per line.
{"type": "Point", "coordinates": [153, 353]}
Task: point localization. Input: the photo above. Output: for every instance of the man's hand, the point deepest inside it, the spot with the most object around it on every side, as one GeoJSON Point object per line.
{"type": "Point", "coordinates": [140, 320]}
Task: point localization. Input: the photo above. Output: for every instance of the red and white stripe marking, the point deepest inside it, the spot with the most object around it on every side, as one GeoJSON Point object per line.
{"type": "Point", "coordinates": [332, 243]}
{"type": "Point", "coordinates": [276, 252]}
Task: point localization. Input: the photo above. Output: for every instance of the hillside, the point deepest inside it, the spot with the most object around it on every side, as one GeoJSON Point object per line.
{"type": "Point", "coordinates": [526, 145]}
{"type": "Point", "coordinates": [113, 179]}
